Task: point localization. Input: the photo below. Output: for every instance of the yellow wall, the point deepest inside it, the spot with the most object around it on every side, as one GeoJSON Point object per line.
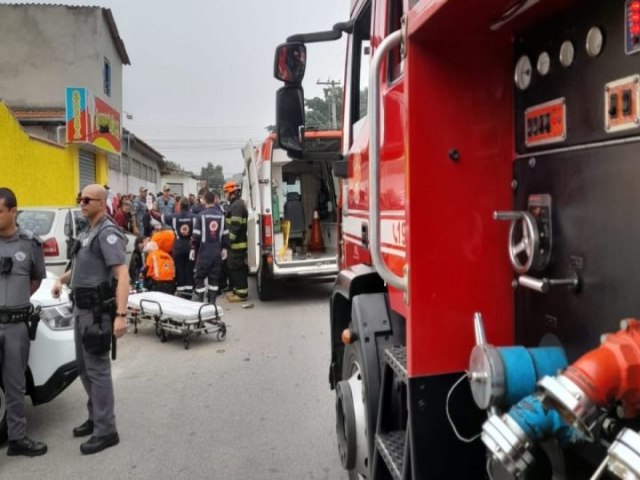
{"type": "Point", "coordinates": [40, 173]}
{"type": "Point", "coordinates": [102, 168]}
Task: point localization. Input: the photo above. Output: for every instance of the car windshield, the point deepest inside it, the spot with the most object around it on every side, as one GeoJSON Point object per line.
{"type": "Point", "coordinates": [36, 221]}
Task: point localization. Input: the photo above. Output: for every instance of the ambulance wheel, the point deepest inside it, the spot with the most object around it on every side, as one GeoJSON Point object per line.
{"type": "Point", "coordinates": [265, 285]}
{"type": "Point", "coordinates": [351, 414]}
{"type": "Point", "coordinates": [3, 416]}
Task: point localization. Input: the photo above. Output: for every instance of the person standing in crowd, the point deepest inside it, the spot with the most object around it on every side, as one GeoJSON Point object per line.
{"type": "Point", "coordinates": [200, 204]}
{"type": "Point", "coordinates": [182, 224]}
{"type": "Point", "coordinates": [141, 212]}
{"type": "Point", "coordinates": [100, 312]}
{"type": "Point", "coordinates": [136, 265]}
{"type": "Point", "coordinates": [238, 270]}
{"type": "Point", "coordinates": [209, 245]}
{"type": "Point", "coordinates": [166, 203]}
{"type": "Point", "coordinates": [21, 272]}
{"type": "Point", "coordinates": [124, 219]}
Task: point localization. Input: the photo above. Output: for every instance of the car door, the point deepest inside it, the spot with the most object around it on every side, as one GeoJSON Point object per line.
{"type": "Point", "coordinates": [251, 197]}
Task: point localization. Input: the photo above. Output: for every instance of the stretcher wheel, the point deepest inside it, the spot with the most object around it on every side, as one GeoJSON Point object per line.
{"type": "Point", "coordinates": [186, 343]}
{"type": "Point", "coordinates": [158, 329]}
{"type": "Point", "coordinates": [135, 324]}
{"type": "Point", "coordinates": [163, 336]}
{"type": "Point", "coordinates": [222, 333]}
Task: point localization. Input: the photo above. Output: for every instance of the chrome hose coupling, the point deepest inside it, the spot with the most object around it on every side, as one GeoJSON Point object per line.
{"type": "Point", "coordinates": [508, 444]}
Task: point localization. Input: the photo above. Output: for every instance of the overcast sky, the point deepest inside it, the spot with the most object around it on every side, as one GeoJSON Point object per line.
{"type": "Point", "coordinates": [200, 83]}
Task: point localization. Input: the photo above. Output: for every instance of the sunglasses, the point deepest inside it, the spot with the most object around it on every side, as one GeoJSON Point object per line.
{"type": "Point", "coordinates": [86, 200]}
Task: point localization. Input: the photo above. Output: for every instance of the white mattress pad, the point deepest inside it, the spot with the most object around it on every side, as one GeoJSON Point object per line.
{"type": "Point", "coordinates": [174, 308]}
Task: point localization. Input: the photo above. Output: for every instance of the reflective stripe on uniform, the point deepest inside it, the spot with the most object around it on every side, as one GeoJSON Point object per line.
{"type": "Point", "coordinates": [238, 246]}
{"type": "Point", "coordinates": [201, 290]}
{"type": "Point", "coordinates": [237, 220]}
{"type": "Point", "coordinates": [232, 236]}
{"type": "Point", "coordinates": [213, 288]}
{"type": "Point", "coordinates": [241, 291]}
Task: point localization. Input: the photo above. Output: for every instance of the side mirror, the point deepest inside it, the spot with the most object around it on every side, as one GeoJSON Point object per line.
{"type": "Point", "coordinates": [290, 62]}
{"type": "Point", "coordinates": [290, 119]}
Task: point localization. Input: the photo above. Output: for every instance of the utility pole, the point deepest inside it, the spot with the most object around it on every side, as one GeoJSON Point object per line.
{"type": "Point", "coordinates": [331, 94]}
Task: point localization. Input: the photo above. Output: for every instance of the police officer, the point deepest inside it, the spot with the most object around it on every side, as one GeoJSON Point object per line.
{"type": "Point", "coordinates": [21, 272]}
{"type": "Point", "coordinates": [182, 224]}
{"type": "Point", "coordinates": [99, 312]}
{"type": "Point", "coordinates": [208, 244]}
{"type": "Point", "coordinates": [237, 215]}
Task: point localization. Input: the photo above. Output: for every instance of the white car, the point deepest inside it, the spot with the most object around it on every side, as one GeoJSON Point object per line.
{"type": "Point", "coordinates": [52, 359]}
{"type": "Point", "coordinates": [58, 227]}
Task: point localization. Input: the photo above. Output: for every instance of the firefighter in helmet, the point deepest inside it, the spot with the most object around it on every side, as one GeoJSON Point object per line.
{"type": "Point", "coordinates": [237, 259]}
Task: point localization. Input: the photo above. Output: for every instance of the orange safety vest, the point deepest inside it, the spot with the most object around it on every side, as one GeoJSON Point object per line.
{"type": "Point", "coordinates": [160, 266]}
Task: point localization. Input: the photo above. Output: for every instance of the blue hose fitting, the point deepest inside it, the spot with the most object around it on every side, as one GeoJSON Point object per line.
{"type": "Point", "coordinates": [539, 422]}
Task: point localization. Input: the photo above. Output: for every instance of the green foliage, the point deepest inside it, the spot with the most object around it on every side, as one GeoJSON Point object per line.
{"type": "Point", "coordinates": [214, 176]}
{"type": "Point", "coordinates": [319, 112]}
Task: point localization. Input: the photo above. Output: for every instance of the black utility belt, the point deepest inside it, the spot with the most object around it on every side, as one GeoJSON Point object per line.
{"type": "Point", "coordinates": [15, 316]}
{"type": "Point", "coordinates": [91, 297]}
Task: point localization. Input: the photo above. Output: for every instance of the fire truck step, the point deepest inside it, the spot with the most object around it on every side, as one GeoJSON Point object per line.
{"type": "Point", "coordinates": [391, 448]}
{"type": "Point", "coordinates": [396, 358]}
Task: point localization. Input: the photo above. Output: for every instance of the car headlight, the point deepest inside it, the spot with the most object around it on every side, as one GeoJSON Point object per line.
{"type": "Point", "coordinates": [59, 317]}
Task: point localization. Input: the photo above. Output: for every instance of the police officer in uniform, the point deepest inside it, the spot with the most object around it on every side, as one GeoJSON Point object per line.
{"type": "Point", "coordinates": [100, 312]}
{"type": "Point", "coordinates": [208, 242]}
{"type": "Point", "coordinates": [182, 224]}
{"type": "Point", "coordinates": [21, 272]}
{"type": "Point", "coordinates": [237, 215]}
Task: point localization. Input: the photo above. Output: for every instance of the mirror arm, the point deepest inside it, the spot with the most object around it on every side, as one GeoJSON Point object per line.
{"type": "Point", "coordinates": [329, 35]}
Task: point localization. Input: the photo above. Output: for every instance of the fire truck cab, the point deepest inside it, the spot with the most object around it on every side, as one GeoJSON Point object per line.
{"type": "Point", "coordinates": [284, 199]}
{"type": "Point", "coordinates": [484, 320]}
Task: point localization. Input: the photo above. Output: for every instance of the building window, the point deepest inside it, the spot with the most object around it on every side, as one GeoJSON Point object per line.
{"type": "Point", "coordinates": [106, 77]}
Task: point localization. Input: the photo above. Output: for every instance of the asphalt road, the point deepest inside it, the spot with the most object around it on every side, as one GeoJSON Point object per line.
{"type": "Point", "coordinates": [256, 406]}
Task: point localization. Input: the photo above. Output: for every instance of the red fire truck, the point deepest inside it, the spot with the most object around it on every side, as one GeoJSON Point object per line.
{"type": "Point", "coordinates": [483, 322]}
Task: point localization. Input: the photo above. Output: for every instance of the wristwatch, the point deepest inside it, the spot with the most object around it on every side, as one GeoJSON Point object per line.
{"type": "Point", "coordinates": [119, 314]}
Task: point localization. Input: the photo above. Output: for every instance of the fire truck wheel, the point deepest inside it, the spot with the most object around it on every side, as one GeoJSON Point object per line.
{"type": "Point", "coordinates": [351, 414]}
{"type": "Point", "coordinates": [3, 416]}
{"type": "Point", "coordinates": [265, 285]}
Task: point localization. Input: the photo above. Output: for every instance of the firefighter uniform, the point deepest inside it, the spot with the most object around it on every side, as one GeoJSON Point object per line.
{"type": "Point", "coordinates": [98, 249]}
{"type": "Point", "coordinates": [21, 261]}
{"type": "Point", "coordinates": [207, 240]}
{"type": "Point", "coordinates": [237, 259]}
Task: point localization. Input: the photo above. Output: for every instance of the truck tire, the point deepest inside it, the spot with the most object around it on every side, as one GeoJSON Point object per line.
{"type": "Point", "coordinates": [3, 416]}
{"type": "Point", "coordinates": [352, 410]}
{"type": "Point", "coordinates": [265, 285]}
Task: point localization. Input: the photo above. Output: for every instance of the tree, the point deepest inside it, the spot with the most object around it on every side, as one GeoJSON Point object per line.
{"type": "Point", "coordinates": [214, 176]}
{"type": "Point", "coordinates": [319, 112]}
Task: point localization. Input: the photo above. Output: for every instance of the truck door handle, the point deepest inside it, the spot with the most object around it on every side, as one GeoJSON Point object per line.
{"type": "Point", "coordinates": [365, 235]}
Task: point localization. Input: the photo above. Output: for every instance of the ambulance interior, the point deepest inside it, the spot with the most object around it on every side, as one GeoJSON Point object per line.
{"type": "Point", "coordinates": [300, 190]}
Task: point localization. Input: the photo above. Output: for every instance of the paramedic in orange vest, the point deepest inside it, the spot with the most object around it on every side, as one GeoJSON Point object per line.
{"type": "Point", "coordinates": [207, 246]}
{"type": "Point", "coordinates": [159, 266]}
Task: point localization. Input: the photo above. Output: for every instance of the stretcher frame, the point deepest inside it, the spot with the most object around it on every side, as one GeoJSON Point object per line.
{"type": "Point", "coordinates": [166, 325]}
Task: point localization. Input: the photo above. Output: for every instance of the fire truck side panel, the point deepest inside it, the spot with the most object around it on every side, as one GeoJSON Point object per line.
{"type": "Point", "coordinates": [460, 119]}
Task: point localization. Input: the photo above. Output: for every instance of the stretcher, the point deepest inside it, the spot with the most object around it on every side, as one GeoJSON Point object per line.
{"type": "Point", "coordinates": [176, 316]}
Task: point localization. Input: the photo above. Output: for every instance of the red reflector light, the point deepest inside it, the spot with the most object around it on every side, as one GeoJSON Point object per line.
{"type": "Point", "coordinates": [50, 248]}
{"type": "Point", "coordinates": [267, 232]}
{"type": "Point", "coordinates": [634, 6]}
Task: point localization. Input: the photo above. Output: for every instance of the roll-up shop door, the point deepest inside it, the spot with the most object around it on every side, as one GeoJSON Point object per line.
{"type": "Point", "coordinates": [87, 168]}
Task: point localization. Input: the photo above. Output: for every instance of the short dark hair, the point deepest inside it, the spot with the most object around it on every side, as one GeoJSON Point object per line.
{"type": "Point", "coordinates": [9, 198]}
{"type": "Point", "coordinates": [202, 191]}
{"type": "Point", "coordinates": [184, 204]}
{"type": "Point", "coordinates": [209, 197]}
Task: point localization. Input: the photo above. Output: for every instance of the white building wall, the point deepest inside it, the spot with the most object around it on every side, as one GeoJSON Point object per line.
{"type": "Point", "coordinates": [189, 184]}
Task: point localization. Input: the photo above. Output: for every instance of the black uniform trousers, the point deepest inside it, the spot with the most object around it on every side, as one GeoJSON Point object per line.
{"type": "Point", "coordinates": [208, 267]}
{"type": "Point", "coordinates": [238, 272]}
{"type": "Point", "coordinates": [184, 267]}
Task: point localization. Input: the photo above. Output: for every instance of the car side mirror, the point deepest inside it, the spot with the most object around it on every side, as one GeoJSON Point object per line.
{"type": "Point", "coordinates": [290, 62]}
{"type": "Point", "coordinates": [290, 119]}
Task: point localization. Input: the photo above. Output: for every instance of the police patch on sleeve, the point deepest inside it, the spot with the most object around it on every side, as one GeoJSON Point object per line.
{"type": "Point", "coordinates": [112, 239]}
{"type": "Point", "coordinates": [20, 256]}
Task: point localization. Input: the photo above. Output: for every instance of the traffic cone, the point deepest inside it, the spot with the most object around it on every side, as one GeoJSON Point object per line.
{"type": "Point", "coordinates": [316, 244]}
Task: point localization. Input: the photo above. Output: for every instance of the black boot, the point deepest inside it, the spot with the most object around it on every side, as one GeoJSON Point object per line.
{"type": "Point", "coordinates": [26, 447]}
{"type": "Point", "coordinates": [83, 430]}
{"type": "Point", "coordinates": [97, 444]}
